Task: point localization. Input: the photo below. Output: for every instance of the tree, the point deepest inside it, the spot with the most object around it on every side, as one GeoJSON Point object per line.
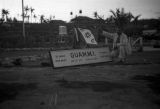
{"type": "Point", "coordinates": [71, 13]}
{"type": "Point", "coordinates": [15, 20]}
{"type": "Point", "coordinates": [26, 9]}
{"type": "Point", "coordinates": [95, 14]}
{"type": "Point", "coordinates": [121, 18]}
{"type": "Point", "coordinates": [125, 21]}
{"type": "Point", "coordinates": [42, 18]}
{"type": "Point", "coordinates": [136, 19]}
{"type": "Point", "coordinates": [28, 18]}
{"type": "Point", "coordinates": [80, 12]}
{"type": "Point", "coordinates": [9, 20]}
{"type": "Point", "coordinates": [99, 18]}
{"type": "Point", "coordinates": [35, 17]}
{"type": "Point", "coordinates": [5, 14]}
{"type": "Point", "coordinates": [1, 21]}
{"type": "Point", "coordinates": [31, 9]}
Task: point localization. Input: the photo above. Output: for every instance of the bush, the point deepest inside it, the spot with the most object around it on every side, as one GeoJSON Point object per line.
{"type": "Point", "coordinates": [17, 62]}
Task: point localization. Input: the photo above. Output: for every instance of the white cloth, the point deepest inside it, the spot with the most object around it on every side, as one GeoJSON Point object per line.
{"type": "Point", "coordinates": [123, 45]}
{"type": "Point", "coordinates": [88, 36]}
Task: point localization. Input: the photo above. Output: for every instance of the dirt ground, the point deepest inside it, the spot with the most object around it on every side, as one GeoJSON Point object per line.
{"type": "Point", "coordinates": [134, 85]}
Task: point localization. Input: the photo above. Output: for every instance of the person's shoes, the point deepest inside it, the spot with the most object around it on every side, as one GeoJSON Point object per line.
{"type": "Point", "coordinates": [122, 61]}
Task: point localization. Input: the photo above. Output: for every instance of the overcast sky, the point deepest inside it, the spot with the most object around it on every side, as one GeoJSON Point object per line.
{"type": "Point", "coordinates": [62, 8]}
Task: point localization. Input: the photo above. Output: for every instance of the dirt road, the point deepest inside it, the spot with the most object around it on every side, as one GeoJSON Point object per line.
{"type": "Point", "coordinates": [98, 86]}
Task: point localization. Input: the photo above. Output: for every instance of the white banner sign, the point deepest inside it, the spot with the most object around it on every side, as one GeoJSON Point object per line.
{"type": "Point", "coordinates": [80, 56]}
{"type": "Point", "coordinates": [88, 36]}
{"type": "Point", "coordinates": [62, 30]}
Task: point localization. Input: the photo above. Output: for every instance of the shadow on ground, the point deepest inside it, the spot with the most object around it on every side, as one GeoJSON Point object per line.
{"type": "Point", "coordinates": [153, 84]}
{"type": "Point", "coordinates": [97, 86]}
{"type": "Point", "coordinates": [11, 90]}
{"type": "Point", "coordinates": [154, 81]}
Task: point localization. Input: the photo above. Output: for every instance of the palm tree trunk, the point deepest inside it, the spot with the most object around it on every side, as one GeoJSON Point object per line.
{"type": "Point", "coordinates": [31, 17]}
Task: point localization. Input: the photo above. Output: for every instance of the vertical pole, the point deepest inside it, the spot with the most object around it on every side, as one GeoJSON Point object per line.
{"type": "Point", "coordinates": [141, 43]}
{"type": "Point", "coordinates": [129, 40]}
{"type": "Point", "coordinates": [76, 33]}
{"type": "Point", "coordinates": [23, 20]}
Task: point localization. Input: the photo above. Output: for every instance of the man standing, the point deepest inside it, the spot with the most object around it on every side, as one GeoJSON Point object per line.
{"type": "Point", "coordinates": [121, 46]}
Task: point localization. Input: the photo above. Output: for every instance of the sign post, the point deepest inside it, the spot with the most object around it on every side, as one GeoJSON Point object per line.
{"type": "Point", "coordinates": [62, 33]}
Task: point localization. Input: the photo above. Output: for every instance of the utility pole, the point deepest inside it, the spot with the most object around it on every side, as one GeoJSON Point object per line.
{"type": "Point", "coordinates": [23, 20]}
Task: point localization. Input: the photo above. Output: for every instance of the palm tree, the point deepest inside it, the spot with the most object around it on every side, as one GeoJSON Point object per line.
{"type": "Point", "coordinates": [51, 18]}
{"type": "Point", "coordinates": [136, 18]}
{"type": "Point", "coordinates": [15, 20]}
{"type": "Point", "coordinates": [71, 13]}
{"type": "Point", "coordinates": [42, 18]}
{"type": "Point", "coordinates": [35, 17]}
{"type": "Point", "coordinates": [80, 12]}
{"type": "Point", "coordinates": [31, 9]}
{"type": "Point", "coordinates": [5, 13]}
{"type": "Point", "coordinates": [28, 18]}
{"type": "Point", "coordinates": [99, 18]}
{"type": "Point", "coordinates": [121, 18]}
{"type": "Point", "coordinates": [26, 9]}
{"type": "Point", "coordinates": [95, 14]}
{"type": "Point", "coordinates": [1, 20]}
{"type": "Point", "coordinates": [9, 20]}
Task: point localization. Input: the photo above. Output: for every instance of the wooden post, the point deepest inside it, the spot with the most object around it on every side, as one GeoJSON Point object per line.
{"type": "Point", "coordinates": [141, 44]}
{"type": "Point", "coordinates": [23, 21]}
{"type": "Point", "coordinates": [76, 34]}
